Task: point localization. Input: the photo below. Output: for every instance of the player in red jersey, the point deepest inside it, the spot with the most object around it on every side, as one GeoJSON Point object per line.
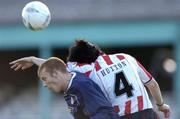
{"type": "Point", "coordinates": [120, 76]}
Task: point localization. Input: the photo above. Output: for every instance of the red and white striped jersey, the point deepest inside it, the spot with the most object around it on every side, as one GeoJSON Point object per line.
{"type": "Point", "coordinates": [122, 80]}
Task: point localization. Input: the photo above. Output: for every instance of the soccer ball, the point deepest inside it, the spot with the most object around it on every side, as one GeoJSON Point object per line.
{"type": "Point", "coordinates": [36, 15]}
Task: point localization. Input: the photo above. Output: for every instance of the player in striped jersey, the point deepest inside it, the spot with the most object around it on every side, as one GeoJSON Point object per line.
{"type": "Point", "coordinates": [120, 76]}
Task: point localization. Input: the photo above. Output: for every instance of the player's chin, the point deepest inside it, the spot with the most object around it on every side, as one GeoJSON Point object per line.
{"type": "Point", "coordinates": [56, 90]}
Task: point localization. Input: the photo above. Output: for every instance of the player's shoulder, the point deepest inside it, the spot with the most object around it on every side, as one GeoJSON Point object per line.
{"type": "Point", "coordinates": [81, 77]}
{"type": "Point", "coordinates": [119, 55]}
{"type": "Point", "coordinates": [81, 81]}
{"type": "Point", "coordinates": [125, 56]}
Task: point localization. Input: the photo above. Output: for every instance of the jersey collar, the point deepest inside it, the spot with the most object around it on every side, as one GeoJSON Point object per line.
{"type": "Point", "coordinates": [70, 81]}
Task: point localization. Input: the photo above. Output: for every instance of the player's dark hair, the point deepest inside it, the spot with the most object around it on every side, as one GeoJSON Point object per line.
{"type": "Point", "coordinates": [83, 52]}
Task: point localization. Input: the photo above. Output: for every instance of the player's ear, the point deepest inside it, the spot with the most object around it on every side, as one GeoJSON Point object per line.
{"type": "Point", "coordinates": [55, 74]}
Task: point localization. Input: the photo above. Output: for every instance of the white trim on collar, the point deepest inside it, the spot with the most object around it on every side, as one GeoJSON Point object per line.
{"type": "Point", "coordinates": [70, 81]}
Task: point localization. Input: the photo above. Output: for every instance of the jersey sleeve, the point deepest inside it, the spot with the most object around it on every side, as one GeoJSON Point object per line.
{"type": "Point", "coordinates": [144, 75]}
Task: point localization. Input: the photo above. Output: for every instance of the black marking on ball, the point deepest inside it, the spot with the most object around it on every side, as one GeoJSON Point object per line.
{"type": "Point", "coordinates": [30, 26]}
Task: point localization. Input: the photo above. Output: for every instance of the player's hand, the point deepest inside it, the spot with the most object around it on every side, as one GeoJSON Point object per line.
{"type": "Point", "coordinates": [165, 109]}
{"type": "Point", "coordinates": [22, 63]}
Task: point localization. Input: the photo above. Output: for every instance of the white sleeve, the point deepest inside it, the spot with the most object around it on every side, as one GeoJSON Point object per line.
{"type": "Point", "coordinates": [144, 75]}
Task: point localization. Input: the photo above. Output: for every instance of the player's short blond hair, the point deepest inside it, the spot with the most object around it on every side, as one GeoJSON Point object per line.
{"type": "Point", "coordinates": [53, 64]}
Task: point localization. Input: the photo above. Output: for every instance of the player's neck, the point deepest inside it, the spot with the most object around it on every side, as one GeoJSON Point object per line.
{"type": "Point", "coordinates": [67, 80]}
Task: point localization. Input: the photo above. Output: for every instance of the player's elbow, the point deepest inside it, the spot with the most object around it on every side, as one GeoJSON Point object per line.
{"type": "Point", "coordinates": [152, 84]}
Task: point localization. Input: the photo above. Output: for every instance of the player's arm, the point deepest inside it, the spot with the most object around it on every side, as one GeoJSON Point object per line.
{"type": "Point", "coordinates": [155, 91]}
{"type": "Point", "coordinates": [152, 86]}
{"type": "Point", "coordinates": [26, 62]}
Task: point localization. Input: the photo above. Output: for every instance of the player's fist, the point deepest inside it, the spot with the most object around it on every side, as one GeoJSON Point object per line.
{"type": "Point", "coordinates": [22, 63]}
{"type": "Point", "coordinates": [165, 109]}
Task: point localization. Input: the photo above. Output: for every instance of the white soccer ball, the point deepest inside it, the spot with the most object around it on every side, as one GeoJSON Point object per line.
{"type": "Point", "coordinates": [36, 15]}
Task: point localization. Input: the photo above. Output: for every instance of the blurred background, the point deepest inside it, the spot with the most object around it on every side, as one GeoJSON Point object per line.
{"type": "Point", "coordinates": [146, 29]}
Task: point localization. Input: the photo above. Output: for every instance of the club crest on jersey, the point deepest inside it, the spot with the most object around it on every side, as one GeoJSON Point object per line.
{"type": "Point", "coordinates": [72, 102]}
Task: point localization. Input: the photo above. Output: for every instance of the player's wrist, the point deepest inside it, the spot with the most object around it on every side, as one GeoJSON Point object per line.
{"type": "Point", "coordinates": [160, 104]}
